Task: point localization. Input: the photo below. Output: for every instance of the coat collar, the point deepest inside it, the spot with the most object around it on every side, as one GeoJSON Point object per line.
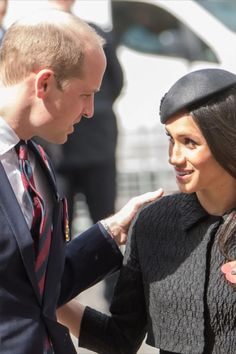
{"type": "Point", "coordinates": [192, 212]}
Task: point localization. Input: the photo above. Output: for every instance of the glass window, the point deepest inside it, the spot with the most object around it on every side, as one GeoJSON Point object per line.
{"type": "Point", "coordinates": [150, 29]}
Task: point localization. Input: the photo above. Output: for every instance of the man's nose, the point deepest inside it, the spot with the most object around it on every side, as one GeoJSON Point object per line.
{"type": "Point", "coordinates": [89, 108]}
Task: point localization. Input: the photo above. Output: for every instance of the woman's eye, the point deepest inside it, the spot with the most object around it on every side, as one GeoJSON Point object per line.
{"type": "Point", "coordinates": [190, 143]}
{"type": "Point", "coordinates": [169, 137]}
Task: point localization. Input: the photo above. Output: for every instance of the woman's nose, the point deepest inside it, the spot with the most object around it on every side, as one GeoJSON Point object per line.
{"type": "Point", "coordinates": [176, 155]}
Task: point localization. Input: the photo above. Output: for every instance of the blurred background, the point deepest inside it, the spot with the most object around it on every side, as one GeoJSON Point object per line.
{"type": "Point", "coordinates": [156, 42]}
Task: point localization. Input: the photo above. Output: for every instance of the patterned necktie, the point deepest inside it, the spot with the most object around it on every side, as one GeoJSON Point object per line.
{"type": "Point", "coordinates": [41, 223]}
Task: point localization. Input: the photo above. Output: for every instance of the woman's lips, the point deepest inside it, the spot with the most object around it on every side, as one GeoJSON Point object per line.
{"type": "Point", "coordinates": [183, 175]}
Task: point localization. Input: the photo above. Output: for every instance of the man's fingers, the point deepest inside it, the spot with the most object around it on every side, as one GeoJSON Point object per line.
{"type": "Point", "coordinates": [147, 198]}
{"type": "Point", "coordinates": [118, 224]}
{"type": "Point", "coordinates": [151, 196]}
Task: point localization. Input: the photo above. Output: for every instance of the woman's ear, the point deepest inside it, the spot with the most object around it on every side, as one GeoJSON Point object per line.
{"type": "Point", "coordinates": [43, 83]}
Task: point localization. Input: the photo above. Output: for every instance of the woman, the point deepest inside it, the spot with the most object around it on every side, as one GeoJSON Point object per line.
{"type": "Point", "coordinates": [178, 275]}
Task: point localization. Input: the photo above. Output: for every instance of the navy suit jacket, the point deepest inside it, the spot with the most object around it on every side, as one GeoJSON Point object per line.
{"type": "Point", "coordinates": [73, 266]}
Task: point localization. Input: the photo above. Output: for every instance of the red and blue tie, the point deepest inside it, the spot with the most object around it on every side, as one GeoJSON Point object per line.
{"type": "Point", "coordinates": [41, 229]}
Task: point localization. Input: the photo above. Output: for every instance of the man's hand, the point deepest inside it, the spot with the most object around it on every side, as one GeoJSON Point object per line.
{"type": "Point", "coordinates": [118, 224]}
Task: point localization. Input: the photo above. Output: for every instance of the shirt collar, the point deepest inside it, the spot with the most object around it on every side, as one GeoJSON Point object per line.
{"type": "Point", "coordinates": [8, 137]}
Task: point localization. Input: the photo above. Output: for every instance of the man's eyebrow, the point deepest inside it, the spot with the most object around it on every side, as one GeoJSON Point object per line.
{"type": "Point", "coordinates": [93, 90]}
{"type": "Point", "coordinates": [90, 92]}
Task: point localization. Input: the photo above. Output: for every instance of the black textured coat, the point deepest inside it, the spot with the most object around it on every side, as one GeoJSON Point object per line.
{"type": "Point", "coordinates": [170, 286]}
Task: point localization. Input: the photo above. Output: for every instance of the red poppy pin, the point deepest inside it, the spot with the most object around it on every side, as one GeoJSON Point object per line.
{"type": "Point", "coordinates": [229, 270]}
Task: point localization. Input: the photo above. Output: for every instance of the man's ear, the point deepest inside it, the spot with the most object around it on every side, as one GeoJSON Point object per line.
{"type": "Point", "coordinates": [44, 82]}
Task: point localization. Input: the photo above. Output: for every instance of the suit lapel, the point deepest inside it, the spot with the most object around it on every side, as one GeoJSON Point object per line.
{"type": "Point", "coordinates": [19, 227]}
{"type": "Point", "coordinates": [21, 232]}
{"type": "Point", "coordinates": [45, 165]}
{"type": "Point", "coordinates": [56, 259]}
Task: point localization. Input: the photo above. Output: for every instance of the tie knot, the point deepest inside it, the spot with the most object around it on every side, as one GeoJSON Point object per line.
{"type": "Point", "coordinates": [22, 150]}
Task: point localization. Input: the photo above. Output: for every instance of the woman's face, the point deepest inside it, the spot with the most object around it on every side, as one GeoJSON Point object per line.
{"type": "Point", "coordinates": [196, 169]}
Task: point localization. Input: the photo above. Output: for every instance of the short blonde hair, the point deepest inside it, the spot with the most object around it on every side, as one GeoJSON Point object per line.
{"type": "Point", "coordinates": [51, 39]}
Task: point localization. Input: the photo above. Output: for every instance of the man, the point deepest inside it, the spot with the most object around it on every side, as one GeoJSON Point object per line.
{"type": "Point", "coordinates": [51, 66]}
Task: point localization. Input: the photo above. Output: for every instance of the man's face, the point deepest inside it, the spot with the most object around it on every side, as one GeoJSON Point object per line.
{"type": "Point", "coordinates": [66, 107]}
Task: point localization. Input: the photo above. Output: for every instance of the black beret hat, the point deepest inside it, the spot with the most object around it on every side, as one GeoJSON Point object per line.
{"type": "Point", "coordinates": [193, 88]}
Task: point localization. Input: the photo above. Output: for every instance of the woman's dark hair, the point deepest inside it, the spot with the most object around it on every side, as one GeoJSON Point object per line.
{"type": "Point", "coordinates": [216, 119]}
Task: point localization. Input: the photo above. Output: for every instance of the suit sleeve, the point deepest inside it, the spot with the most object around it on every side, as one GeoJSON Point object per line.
{"type": "Point", "coordinates": [123, 331]}
{"type": "Point", "coordinates": [89, 258]}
